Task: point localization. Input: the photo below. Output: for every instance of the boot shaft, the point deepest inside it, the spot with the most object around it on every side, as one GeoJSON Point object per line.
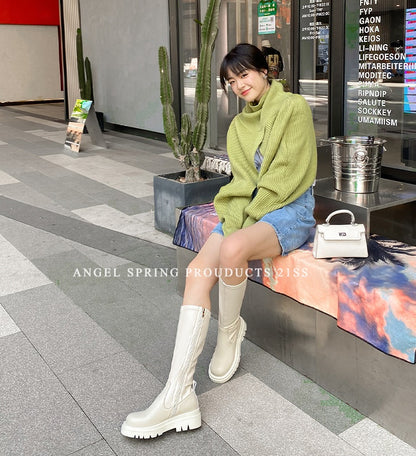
{"type": "Point", "coordinates": [190, 339]}
{"type": "Point", "coordinates": [230, 299]}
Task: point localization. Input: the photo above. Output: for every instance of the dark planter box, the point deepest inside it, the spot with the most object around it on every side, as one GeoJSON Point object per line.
{"type": "Point", "coordinates": [169, 194]}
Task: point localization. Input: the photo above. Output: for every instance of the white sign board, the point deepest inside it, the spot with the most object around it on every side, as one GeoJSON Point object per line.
{"type": "Point", "coordinates": [266, 25]}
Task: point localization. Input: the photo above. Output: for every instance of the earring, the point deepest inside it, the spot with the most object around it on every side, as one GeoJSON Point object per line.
{"type": "Point", "coordinates": [264, 75]}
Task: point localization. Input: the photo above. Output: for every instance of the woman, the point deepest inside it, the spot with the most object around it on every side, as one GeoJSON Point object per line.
{"type": "Point", "coordinates": [265, 211]}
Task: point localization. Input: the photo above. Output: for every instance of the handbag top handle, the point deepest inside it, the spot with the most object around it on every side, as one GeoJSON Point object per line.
{"type": "Point", "coordinates": [341, 211]}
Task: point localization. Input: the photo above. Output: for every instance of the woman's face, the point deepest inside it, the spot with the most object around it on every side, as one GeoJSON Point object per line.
{"type": "Point", "coordinates": [249, 85]}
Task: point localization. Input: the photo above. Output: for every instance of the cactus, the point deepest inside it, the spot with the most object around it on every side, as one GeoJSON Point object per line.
{"type": "Point", "coordinates": [88, 81]}
{"type": "Point", "coordinates": [84, 71]}
{"type": "Point", "coordinates": [187, 146]}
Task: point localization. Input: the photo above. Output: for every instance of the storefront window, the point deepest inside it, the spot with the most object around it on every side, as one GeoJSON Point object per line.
{"type": "Point", "coordinates": [314, 60]}
{"type": "Point", "coordinates": [189, 51]}
{"type": "Point", "coordinates": [240, 22]}
{"type": "Point", "coordinates": [380, 75]}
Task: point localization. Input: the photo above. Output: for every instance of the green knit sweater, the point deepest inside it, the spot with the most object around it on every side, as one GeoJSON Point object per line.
{"type": "Point", "coordinates": [281, 125]}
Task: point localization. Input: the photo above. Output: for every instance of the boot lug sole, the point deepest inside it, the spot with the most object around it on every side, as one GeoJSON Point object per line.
{"type": "Point", "coordinates": [184, 422]}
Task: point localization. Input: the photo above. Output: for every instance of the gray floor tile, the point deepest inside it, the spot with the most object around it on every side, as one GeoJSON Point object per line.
{"type": "Point", "coordinates": [85, 184]}
{"type": "Point", "coordinates": [41, 148]}
{"type": "Point", "coordinates": [23, 140]}
{"type": "Point", "coordinates": [46, 167]}
{"type": "Point", "coordinates": [53, 110]}
{"type": "Point", "coordinates": [7, 325]}
{"type": "Point", "coordinates": [7, 179]}
{"type": "Point", "coordinates": [298, 389]}
{"type": "Point", "coordinates": [26, 195]}
{"type": "Point", "coordinates": [62, 333]}
{"type": "Point", "coordinates": [244, 411]}
{"type": "Point", "coordinates": [22, 156]}
{"type": "Point", "coordinates": [65, 195]}
{"type": "Point", "coordinates": [84, 281]}
{"type": "Point", "coordinates": [49, 134]}
{"type": "Point", "coordinates": [140, 313]}
{"type": "Point", "coordinates": [151, 255]}
{"type": "Point", "coordinates": [13, 161]}
{"type": "Point", "coordinates": [372, 440]}
{"type": "Point", "coordinates": [138, 144]}
{"type": "Point", "coordinates": [123, 202]}
{"type": "Point", "coordinates": [17, 272]}
{"type": "Point", "coordinates": [109, 241]}
{"type": "Point", "coordinates": [149, 199]}
{"type": "Point", "coordinates": [26, 154]}
{"type": "Point", "coordinates": [110, 389]}
{"type": "Point", "coordinates": [37, 415]}
{"type": "Point", "coordinates": [32, 242]}
{"type": "Point", "coordinates": [135, 311]}
{"type": "Point", "coordinates": [161, 165]}
{"type": "Point", "coordinates": [144, 152]}
{"type": "Point", "coordinates": [100, 448]}
{"type": "Point", "coordinates": [125, 178]}
{"type": "Point", "coordinates": [102, 259]}
{"type": "Point", "coordinates": [43, 122]}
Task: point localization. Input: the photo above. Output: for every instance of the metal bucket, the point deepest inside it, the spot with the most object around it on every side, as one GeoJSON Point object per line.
{"type": "Point", "coordinates": [356, 163]}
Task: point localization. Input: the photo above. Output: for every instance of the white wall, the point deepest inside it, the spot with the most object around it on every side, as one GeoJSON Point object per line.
{"type": "Point", "coordinates": [121, 39]}
{"type": "Point", "coordinates": [29, 56]}
{"type": "Point", "coordinates": [71, 23]}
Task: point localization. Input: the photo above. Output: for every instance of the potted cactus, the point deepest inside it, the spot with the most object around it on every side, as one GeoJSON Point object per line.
{"type": "Point", "coordinates": [192, 186]}
{"type": "Point", "coordinates": [85, 77]}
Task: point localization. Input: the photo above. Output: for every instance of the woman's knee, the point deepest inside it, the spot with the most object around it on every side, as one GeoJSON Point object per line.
{"type": "Point", "coordinates": [233, 251]}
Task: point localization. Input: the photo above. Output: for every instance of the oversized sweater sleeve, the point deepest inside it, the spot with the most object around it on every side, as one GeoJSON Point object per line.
{"type": "Point", "coordinates": [293, 168]}
{"type": "Point", "coordinates": [234, 197]}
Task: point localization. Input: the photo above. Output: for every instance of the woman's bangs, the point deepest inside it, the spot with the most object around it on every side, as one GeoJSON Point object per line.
{"type": "Point", "coordinates": [237, 67]}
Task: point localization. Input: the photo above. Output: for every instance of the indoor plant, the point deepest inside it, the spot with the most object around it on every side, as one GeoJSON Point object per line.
{"type": "Point", "coordinates": [84, 71]}
{"type": "Point", "coordinates": [191, 186]}
{"type": "Point", "coordinates": [85, 77]}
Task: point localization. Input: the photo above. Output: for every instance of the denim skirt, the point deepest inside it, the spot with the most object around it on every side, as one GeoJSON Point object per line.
{"type": "Point", "coordinates": [292, 223]}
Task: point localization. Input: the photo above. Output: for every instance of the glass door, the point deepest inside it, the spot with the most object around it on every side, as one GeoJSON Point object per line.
{"type": "Point", "coordinates": [380, 76]}
{"type": "Point", "coordinates": [314, 58]}
{"type": "Point", "coordinates": [239, 23]}
{"type": "Point", "coordinates": [189, 51]}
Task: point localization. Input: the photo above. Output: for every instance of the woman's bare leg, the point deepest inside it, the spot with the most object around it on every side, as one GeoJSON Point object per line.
{"type": "Point", "coordinates": [255, 242]}
{"type": "Point", "coordinates": [202, 273]}
{"type": "Point", "coordinates": [232, 254]}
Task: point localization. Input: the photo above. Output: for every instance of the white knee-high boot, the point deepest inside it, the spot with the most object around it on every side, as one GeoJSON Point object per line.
{"type": "Point", "coordinates": [231, 330]}
{"type": "Point", "coordinates": [177, 406]}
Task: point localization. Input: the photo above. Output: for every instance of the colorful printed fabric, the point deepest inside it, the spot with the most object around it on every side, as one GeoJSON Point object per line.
{"type": "Point", "coordinates": [373, 298]}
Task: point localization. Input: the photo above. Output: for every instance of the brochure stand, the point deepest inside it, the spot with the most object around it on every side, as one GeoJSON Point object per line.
{"type": "Point", "coordinates": [83, 115]}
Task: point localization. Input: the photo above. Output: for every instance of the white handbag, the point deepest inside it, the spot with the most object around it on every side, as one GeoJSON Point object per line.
{"type": "Point", "coordinates": [334, 241]}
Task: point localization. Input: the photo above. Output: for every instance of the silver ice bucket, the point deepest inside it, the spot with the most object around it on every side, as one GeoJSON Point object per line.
{"type": "Point", "coordinates": [356, 162]}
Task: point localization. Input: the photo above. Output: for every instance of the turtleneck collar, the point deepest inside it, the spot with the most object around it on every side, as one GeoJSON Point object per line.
{"type": "Point", "coordinates": [275, 87]}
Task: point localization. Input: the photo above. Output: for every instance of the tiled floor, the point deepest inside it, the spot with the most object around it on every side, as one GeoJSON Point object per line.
{"type": "Point", "coordinates": [86, 335]}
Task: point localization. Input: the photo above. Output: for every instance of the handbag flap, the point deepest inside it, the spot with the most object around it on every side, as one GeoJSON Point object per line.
{"type": "Point", "coordinates": [341, 232]}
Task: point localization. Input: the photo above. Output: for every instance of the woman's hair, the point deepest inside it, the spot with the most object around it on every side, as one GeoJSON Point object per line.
{"type": "Point", "coordinates": [243, 57]}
